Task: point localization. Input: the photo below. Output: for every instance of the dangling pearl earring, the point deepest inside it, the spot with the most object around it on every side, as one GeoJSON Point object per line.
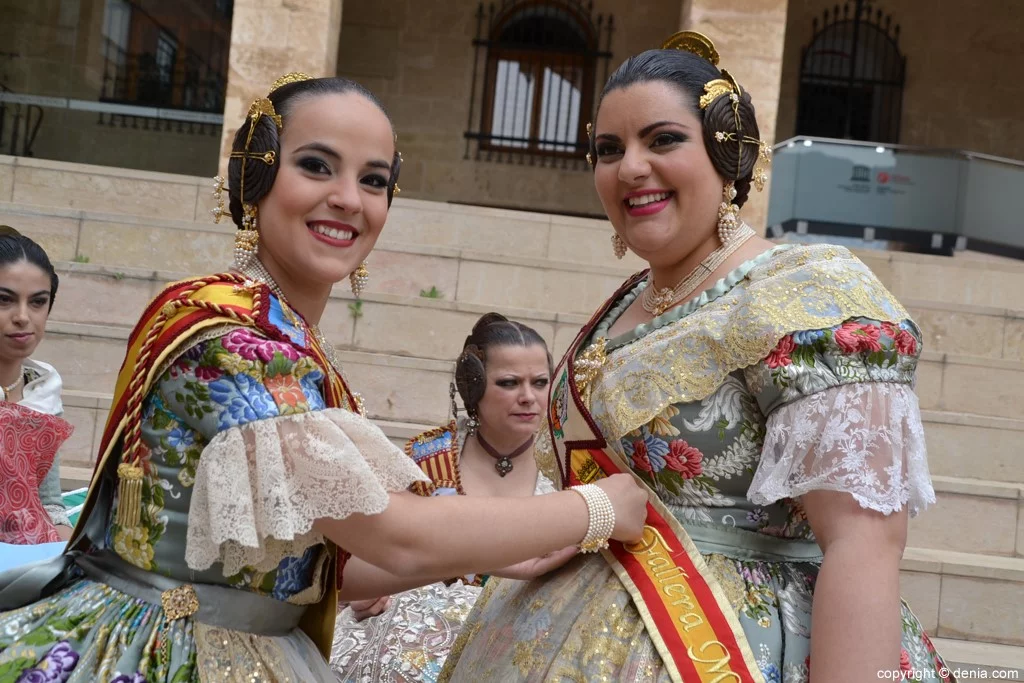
{"type": "Point", "coordinates": [247, 239]}
{"type": "Point", "coordinates": [728, 214]}
{"type": "Point", "coordinates": [358, 278]}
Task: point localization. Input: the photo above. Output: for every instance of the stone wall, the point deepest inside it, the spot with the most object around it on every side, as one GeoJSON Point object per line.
{"type": "Point", "coordinates": [963, 60]}
{"type": "Point", "coordinates": [56, 49]}
{"type": "Point", "coordinates": [418, 58]}
{"type": "Point", "coordinates": [270, 38]}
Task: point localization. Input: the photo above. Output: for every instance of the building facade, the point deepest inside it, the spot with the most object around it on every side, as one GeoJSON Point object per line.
{"type": "Point", "coordinates": [491, 99]}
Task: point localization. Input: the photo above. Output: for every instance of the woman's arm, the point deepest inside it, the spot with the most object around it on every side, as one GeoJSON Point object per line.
{"type": "Point", "coordinates": [538, 566]}
{"type": "Point", "coordinates": [364, 581]}
{"type": "Point", "coordinates": [50, 496]}
{"type": "Point", "coordinates": [454, 535]}
{"type": "Point", "coordinates": [856, 625]}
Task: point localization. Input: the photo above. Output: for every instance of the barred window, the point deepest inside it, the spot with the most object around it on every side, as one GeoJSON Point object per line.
{"type": "Point", "coordinates": [537, 86]}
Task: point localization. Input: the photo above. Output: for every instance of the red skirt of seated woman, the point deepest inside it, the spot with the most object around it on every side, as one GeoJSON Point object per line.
{"type": "Point", "coordinates": [28, 444]}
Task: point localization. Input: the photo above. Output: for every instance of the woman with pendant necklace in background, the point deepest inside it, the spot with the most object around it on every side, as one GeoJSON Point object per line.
{"type": "Point", "coordinates": [502, 377]}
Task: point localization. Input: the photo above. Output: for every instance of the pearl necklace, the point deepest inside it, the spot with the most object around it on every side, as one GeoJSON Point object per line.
{"type": "Point", "coordinates": [256, 272]}
{"type": "Point", "coordinates": [657, 301]}
{"type": "Point", "coordinates": [14, 385]}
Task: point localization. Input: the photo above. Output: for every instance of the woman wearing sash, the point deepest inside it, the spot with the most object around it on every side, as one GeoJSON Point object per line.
{"type": "Point", "coordinates": [31, 427]}
{"type": "Point", "coordinates": [240, 491]}
{"type": "Point", "coordinates": [763, 393]}
{"type": "Point", "coordinates": [503, 376]}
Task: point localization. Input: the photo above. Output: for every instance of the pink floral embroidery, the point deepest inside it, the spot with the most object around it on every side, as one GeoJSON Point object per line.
{"type": "Point", "coordinates": [640, 458]}
{"type": "Point", "coordinates": [207, 374]}
{"type": "Point", "coordinates": [780, 355]}
{"type": "Point", "coordinates": [249, 346]}
{"type": "Point", "coordinates": [685, 459]}
{"type": "Point", "coordinates": [853, 337]}
{"type": "Point", "coordinates": [905, 668]}
{"type": "Point", "coordinates": [905, 343]}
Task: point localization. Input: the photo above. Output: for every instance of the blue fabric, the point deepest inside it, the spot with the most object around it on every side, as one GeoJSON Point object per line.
{"type": "Point", "coordinates": [16, 555]}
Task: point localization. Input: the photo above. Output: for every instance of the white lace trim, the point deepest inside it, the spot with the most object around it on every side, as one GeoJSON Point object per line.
{"type": "Point", "coordinates": [260, 487]}
{"type": "Point", "coordinates": [865, 439]}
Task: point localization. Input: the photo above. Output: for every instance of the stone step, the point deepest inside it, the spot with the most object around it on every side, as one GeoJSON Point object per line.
{"type": "Point", "coordinates": [974, 446]}
{"type": "Point", "coordinates": [974, 516]}
{"type": "Point", "coordinates": [965, 596]}
{"type": "Point", "coordinates": [120, 216]}
{"type": "Point", "coordinates": [403, 322]}
{"type": "Point", "coordinates": [977, 661]}
{"type": "Point", "coordinates": [89, 356]}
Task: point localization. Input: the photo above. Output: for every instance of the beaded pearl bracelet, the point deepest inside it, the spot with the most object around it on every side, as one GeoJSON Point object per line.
{"type": "Point", "coordinates": [602, 518]}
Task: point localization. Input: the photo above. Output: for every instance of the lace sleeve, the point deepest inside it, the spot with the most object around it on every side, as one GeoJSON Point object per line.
{"type": "Point", "coordinates": [260, 486]}
{"type": "Point", "coordinates": [865, 439]}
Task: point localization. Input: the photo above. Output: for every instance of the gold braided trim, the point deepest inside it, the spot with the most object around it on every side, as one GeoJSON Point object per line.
{"type": "Point", "coordinates": [130, 470]}
{"type": "Point", "coordinates": [803, 288]}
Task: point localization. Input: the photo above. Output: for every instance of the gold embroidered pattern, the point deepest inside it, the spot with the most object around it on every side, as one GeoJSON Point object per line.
{"type": "Point", "coordinates": [804, 288]}
{"type": "Point", "coordinates": [588, 366]}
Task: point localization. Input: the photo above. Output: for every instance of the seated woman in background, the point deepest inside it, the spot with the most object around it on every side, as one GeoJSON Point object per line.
{"type": "Point", "coordinates": [31, 429]}
{"type": "Point", "coordinates": [502, 376]}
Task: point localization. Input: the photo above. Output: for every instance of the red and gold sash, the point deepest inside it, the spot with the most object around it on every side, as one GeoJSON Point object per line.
{"type": "Point", "coordinates": [174, 317]}
{"type": "Point", "coordinates": [694, 628]}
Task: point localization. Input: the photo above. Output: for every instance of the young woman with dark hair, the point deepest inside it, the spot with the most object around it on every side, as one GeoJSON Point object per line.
{"type": "Point", "coordinates": [31, 427]}
{"type": "Point", "coordinates": [240, 490]}
{"type": "Point", "coordinates": [764, 395]}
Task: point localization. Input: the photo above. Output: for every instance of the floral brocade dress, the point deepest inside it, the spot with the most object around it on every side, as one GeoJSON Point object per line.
{"type": "Point", "coordinates": [830, 408]}
{"type": "Point", "coordinates": [242, 455]}
{"type": "Point", "coordinates": [409, 641]}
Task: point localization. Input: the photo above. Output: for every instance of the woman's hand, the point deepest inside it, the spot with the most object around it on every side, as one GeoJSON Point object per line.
{"type": "Point", "coordinates": [538, 566]}
{"type": "Point", "coordinates": [630, 502]}
{"type": "Point", "coordinates": [361, 609]}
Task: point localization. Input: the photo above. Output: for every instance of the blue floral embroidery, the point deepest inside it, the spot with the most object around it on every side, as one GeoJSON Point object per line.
{"type": "Point", "coordinates": [772, 674]}
{"type": "Point", "coordinates": [294, 574]}
{"type": "Point", "coordinates": [242, 400]}
{"type": "Point", "coordinates": [181, 438]}
{"type": "Point", "coordinates": [758, 516]}
{"type": "Point", "coordinates": [808, 337]}
{"type": "Point", "coordinates": [277, 318]}
{"type": "Point", "coordinates": [656, 449]}
{"type": "Point", "coordinates": [310, 385]}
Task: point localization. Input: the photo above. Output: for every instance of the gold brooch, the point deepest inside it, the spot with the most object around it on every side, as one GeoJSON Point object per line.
{"type": "Point", "coordinates": [180, 602]}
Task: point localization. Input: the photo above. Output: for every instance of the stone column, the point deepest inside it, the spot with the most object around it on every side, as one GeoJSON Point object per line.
{"type": "Point", "coordinates": [270, 38]}
{"type": "Point", "coordinates": [750, 36]}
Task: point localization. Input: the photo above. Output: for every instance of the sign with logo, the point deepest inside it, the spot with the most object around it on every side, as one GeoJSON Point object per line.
{"type": "Point", "coordinates": [858, 185]}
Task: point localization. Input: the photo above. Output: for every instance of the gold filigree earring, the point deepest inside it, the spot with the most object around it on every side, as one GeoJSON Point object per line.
{"type": "Point", "coordinates": [358, 279]}
{"type": "Point", "coordinates": [248, 238]}
{"type": "Point", "coordinates": [728, 214]}
{"type": "Point", "coordinates": [618, 246]}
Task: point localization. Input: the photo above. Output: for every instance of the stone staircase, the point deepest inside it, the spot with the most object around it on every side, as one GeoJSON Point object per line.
{"type": "Point", "coordinates": [964, 570]}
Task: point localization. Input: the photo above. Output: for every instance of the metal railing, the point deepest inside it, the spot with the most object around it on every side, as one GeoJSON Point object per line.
{"type": "Point", "coordinates": [19, 126]}
{"type": "Point", "coordinates": [189, 83]}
